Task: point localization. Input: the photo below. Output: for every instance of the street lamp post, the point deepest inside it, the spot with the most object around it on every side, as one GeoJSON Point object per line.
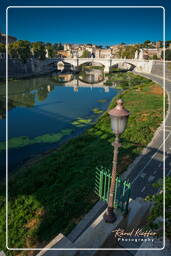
{"type": "Point", "coordinates": [119, 117]}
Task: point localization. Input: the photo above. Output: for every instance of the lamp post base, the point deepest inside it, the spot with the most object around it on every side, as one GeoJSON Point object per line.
{"type": "Point", "coordinates": [109, 216]}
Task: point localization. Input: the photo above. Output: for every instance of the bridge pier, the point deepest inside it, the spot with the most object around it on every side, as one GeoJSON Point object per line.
{"type": "Point", "coordinates": [106, 69]}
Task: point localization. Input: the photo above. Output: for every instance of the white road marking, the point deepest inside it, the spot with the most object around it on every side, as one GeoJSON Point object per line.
{"type": "Point", "coordinates": [169, 173]}
{"type": "Point", "coordinates": [143, 175]}
{"type": "Point", "coordinates": [143, 189]}
{"type": "Point", "coordinates": [150, 159]}
{"type": "Point", "coordinates": [167, 130]}
{"type": "Point", "coordinates": [151, 178]}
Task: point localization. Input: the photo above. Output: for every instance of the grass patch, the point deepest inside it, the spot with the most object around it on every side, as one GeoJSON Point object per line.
{"type": "Point", "coordinates": [18, 142]}
{"type": "Point", "coordinates": [60, 186]}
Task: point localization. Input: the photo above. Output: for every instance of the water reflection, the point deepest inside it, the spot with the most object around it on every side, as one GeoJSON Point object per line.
{"type": "Point", "coordinates": [62, 78]}
{"type": "Point", "coordinates": [92, 76]}
{"type": "Point", "coordinates": [24, 93]}
{"type": "Point", "coordinates": [43, 112]}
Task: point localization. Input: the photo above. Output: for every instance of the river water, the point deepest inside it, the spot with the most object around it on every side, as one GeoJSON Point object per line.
{"type": "Point", "coordinates": [44, 112]}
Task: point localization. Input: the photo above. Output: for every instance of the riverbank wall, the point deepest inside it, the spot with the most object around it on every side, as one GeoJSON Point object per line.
{"type": "Point", "coordinates": [158, 69]}
{"type": "Point", "coordinates": [18, 69]}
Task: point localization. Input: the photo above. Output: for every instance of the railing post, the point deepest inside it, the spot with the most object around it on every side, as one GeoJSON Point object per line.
{"type": "Point", "coordinates": [127, 199]}
{"type": "Point", "coordinates": [104, 189]}
{"type": "Point", "coordinates": [121, 193]}
{"type": "Point", "coordinates": [115, 194]}
{"type": "Point", "coordinates": [101, 184]}
{"type": "Point", "coordinates": [108, 187]}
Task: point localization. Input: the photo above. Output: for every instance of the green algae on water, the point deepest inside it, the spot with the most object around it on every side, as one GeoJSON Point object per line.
{"type": "Point", "coordinates": [81, 122]}
{"type": "Point", "coordinates": [22, 141]}
{"type": "Point", "coordinates": [97, 111]}
{"type": "Point", "coordinates": [102, 101]}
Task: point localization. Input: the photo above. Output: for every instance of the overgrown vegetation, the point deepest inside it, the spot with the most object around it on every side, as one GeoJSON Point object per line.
{"type": "Point", "coordinates": [125, 80]}
{"type": "Point", "coordinates": [53, 193]}
{"type": "Point", "coordinates": [155, 220]}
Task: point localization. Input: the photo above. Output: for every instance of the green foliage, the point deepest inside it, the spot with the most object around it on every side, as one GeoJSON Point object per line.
{"type": "Point", "coordinates": [146, 44]}
{"type": "Point", "coordinates": [23, 49]}
{"type": "Point", "coordinates": [2, 48]}
{"type": "Point", "coordinates": [51, 51]}
{"type": "Point", "coordinates": [115, 69]}
{"type": "Point", "coordinates": [108, 82]}
{"type": "Point", "coordinates": [168, 54]}
{"type": "Point", "coordinates": [128, 51]}
{"type": "Point", "coordinates": [155, 57]}
{"type": "Point", "coordinates": [92, 67]}
{"type": "Point", "coordinates": [85, 54]}
{"type": "Point", "coordinates": [157, 210]}
{"type": "Point", "coordinates": [53, 193]}
{"type": "Point", "coordinates": [126, 80]}
{"type": "Point", "coordinates": [39, 51]}
{"type": "Point", "coordinates": [18, 142]}
{"type": "Point", "coordinates": [20, 49]}
{"type": "Point", "coordinates": [58, 47]}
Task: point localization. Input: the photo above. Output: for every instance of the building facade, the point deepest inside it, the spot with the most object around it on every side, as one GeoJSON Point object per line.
{"type": "Point", "coordinates": [11, 39]}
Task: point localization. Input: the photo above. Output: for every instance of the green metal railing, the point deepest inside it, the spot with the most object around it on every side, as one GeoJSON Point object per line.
{"type": "Point", "coordinates": [122, 189]}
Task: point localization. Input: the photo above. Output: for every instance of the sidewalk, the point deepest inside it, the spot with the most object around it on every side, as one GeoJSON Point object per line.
{"type": "Point", "coordinates": [149, 168]}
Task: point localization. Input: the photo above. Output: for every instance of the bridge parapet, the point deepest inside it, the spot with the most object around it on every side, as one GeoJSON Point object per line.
{"type": "Point", "coordinates": [139, 65]}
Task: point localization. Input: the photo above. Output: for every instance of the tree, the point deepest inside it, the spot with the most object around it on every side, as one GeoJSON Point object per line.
{"type": "Point", "coordinates": [167, 54]}
{"type": "Point", "coordinates": [86, 54]}
{"type": "Point", "coordinates": [2, 48]}
{"type": "Point", "coordinates": [155, 57]}
{"type": "Point", "coordinates": [39, 50]}
{"type": "Point", "coordinates": [128, 51]}
{"type": "Point", "coordinates": [12, 51]}
{"type": "Point", "coordinates": [100, 46]}
{"type": "Point", "coordinates": [147, 42]}
{"type": "Point", "coordinates": [20, 49]}
{"type": "Point", "coordinates": [60, 47]}
{"type": "Point", "coordinates": [51, 51]}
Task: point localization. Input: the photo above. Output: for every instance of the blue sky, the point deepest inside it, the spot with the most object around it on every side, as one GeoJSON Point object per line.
{"type": "Point", "coordinates": [100, 26]}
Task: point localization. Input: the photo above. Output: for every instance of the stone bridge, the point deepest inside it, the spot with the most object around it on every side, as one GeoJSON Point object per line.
{"type": "Point", "coordinates": [136, 64]}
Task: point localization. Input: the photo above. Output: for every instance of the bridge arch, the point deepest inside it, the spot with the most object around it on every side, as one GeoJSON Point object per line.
{"type": "Point", "coordinates": [62, 65]}
{"type": "Point", "coordinates": [124, 66]}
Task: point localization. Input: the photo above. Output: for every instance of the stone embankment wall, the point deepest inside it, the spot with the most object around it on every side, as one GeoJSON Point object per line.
{"type": "Point", "coordinates": [33, 67]}
{"type": "Point", "coordinates": [157, 69]}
